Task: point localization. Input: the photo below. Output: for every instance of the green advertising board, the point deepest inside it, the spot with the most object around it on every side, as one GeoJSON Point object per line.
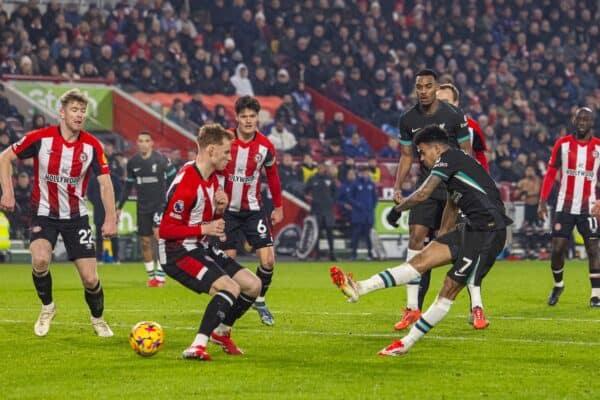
{"type": "Point", "coordinates": [382, 226]}
{"type": "Point", "coordinates": [47, 95]}
{"type": "Point", "coordinates": [128, 221]}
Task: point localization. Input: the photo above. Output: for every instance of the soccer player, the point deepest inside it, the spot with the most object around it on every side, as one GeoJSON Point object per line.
{"type": "Point", "coordinates": [424, 219]}
{"type": "Point", "coordinates": [449, 93]}
{"type": "Point", "coordinates": [251, 153]}
{"type": "Point", "coordinates": [63, 157]}
{"type": "Point", "coordinates": [578, 158]}
{"type": "Point", "coordinates": [193, 213]}
{"type": "Point", "coordinates": [151, 173]}
{"type": "Point", "coordinates": [472, 246]}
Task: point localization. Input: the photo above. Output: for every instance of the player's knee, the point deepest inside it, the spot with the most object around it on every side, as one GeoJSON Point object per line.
{"type": "Point", "coordinates": [40, 263]}
{"type": "Point", "coordinates": [451, 288]}
{"type": "Point", "coordinates": [254, 287]}
{"type": "Point", "coordinates": [227, 284]}
{"type": "Point", "coordinates": [90, 281]}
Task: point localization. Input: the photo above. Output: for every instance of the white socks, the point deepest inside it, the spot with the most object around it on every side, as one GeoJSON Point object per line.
{"type": "Point", "coordinates": [434, 314]}
{"type": "Point", "coordinates": [390, 277]}
{"type": "Point", "coordinates": [475, 293]}
{"type": "Point", "coordinates": [412, 288]}
{"type": "Point", "coordinates": [200, 340]}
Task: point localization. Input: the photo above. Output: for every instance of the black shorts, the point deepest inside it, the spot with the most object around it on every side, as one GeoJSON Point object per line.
{"type": "Point", "coordinates": [428, 213]}
{"type": "Point", "coordinates": [531, 216]}
{"type": "Point", "coordinates": [255, 226]}
{"type": "Point", "coordinates": [201, 267]}
{"type": "Point", "coordinates": [473, 253]}
{"type": "Point", "coordinates": [564, 223]}
{"type": "Point", "coordinates": [146, 223]}
{"type": "Point", "coordinates": [76, 233]}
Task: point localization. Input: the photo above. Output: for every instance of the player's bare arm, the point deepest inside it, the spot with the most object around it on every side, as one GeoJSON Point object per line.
{"type": "Point", "coordinates": [421, 194]}
{"type": "Point", "coordinates": [107, 194]}
{"type": "Point", "coordinates": [449, 217]}
{"type": "Point", "coordinates": [7, 201]}
{"type": "Point", "coordinates": [277, 215]}
{"type": "Point", "coordinates": [404, 165]}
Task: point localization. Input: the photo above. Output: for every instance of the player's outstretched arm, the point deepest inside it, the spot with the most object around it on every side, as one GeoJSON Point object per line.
{"type": "Point", "coordinates": [7, 201]}
{"type": "Point", "coordinates": [107, 194]}
{"type": "Point", "coordinates": [421, 194]}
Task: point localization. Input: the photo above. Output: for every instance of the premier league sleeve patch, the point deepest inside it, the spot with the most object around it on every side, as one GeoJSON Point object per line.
{"type": "Point", "coordinates": [179, 206]}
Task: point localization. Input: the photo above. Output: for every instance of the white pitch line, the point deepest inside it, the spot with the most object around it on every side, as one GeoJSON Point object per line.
{"type": "Point", "coordinates": [335, 313]}
{"type": "Point", "coordinates": [347, 334]}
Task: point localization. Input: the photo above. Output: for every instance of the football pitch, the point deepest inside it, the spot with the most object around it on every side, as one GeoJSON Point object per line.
{"type": "Point", "coordinates": [320, 347]}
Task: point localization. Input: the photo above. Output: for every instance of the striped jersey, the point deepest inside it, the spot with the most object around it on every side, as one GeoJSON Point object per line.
{"type": "Point", "coordinates": [61, 171]}
{"type": "Point", "coordinates": [243, 172]}
{"type": "Point", "coordinates": [190, 203]}
{"type": "Point", "coordinates": [578, 163]}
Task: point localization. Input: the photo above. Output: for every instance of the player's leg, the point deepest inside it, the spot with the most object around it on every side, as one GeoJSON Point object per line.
{"type": "Point", "coordinates": [589, 229]}
{"type": "Point", "coordinates": [159, 273]}
{"type": "Point", "coordinates": [77, 236]}
{"type": "Point", "coordinates": [470, 252]}
{"type": "Point", "coordinates": [417, 236]}
{"type": "Point", "coordinates": [266, 258]}
{"type": "Point", "coordinates": [256, 226]}
{"type": "Point", "coordinates": [250, 287]}
{"type": "Point", "coordinates": [354, 239]}
{"type": "Point", "coordinates": [202, 274]}
{"type": "Point", "coordinates": [329, 223]}
{"type": "Point", "coordinates": [145, 234]}
{"type": "Point", "coordinates": [561, 232]}
{"type": "Point", "coordinates": [434, 255]}
{"type": "Point", "coordinates": [41, 254]}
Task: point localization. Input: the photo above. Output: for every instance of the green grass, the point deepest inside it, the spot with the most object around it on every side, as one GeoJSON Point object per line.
{"type": "Point", "coordinates": [320, 348]}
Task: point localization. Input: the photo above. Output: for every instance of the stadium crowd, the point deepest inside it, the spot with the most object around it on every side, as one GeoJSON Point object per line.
{"type": "Point", "coordinates": [521, 66]}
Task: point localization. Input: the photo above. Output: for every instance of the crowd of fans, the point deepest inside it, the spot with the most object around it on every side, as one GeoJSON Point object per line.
{"type": "Point", "coordinates": [521, 65]}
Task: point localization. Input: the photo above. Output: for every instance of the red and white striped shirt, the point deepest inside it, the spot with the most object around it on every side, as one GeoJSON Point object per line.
{"type": "Point", "coordinates": [190, 204]}
{"type": "Point", "coordinates": [61, 171]}
{"type": "Point", "coordinates": [578, 162]}
{"type": "Point", "coordinates": [243, 172]}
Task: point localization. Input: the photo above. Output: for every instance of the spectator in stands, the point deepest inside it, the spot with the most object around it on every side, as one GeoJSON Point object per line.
{"type": "Point", "coordinates": [207, 83]}
{"type": "Point", "coordinates": [357, 147]}
{"type": "Point", "coordinates": [26, 66]}
{"type": "Point", "coordinates": [320, 192]}
{"type": "Point", "coordinates": [308, 167]}
{"type": "Point", "coordinates": [148, 82]}
{"type": "Point", "coordinates": [20, 220]}
{"type": "Point", "coordinates": [315, 75]}
{"type": "Point", "coordinates": [243, 86]}
{"type": "Point", "coordinates": [38, 121]}
{"type": "Point", "coordinates": [289, 111]}
{"type": "Point", "coordinates": [261, 82]}
{"type": "Point", "coordinates": [334, 149]}
{"type": "Point", "coordinates": [361, 102]}
{"type": "Point", "coordinates": [303, 147]}
{"type": "Point", "coordinates": [343, 199]}
{"type": "Point", "coordinates": [220, 116]}
{"type": "Point", "coordinates": [391, 150]}
{"type": "Point", "coordinates": [196, 110]}
{"type": "Point", "coordinates": [336, 89]}
{"type": "Point", "coordinates": [303, 99]}
{"type": "Point", "coordinates": [336, 128]}
{"type": "Point", "coordinates": [4, 140]}
{"type": "Point", "coordinates": [347, 165]}
{"type": "Point", "coordinates": [283, 84]}
{"type": "Point", "coordinates": [385, 116]}
{"type": "Point", "coordinates": [224, 85]}
{"type": "Point", "coordinates": [363, 200]}
{"type": "Point", "coordinates": [374, 170]}
{"type": "Point", "coordinates": [288, 174]}
{"type": "Point", "coordinates": [281, 137]}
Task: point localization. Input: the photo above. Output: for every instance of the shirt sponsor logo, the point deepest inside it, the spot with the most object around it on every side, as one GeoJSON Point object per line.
{"type": "Point", "coordinates": [62, 179]}
{"type": "Point", "coordinates": [246, 180]}
{"type": "Point", "coordinates": [576, 172]}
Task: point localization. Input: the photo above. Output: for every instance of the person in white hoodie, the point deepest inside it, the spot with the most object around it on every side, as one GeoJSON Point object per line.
{"type": "Point", "coordinates": [239, 80]}
{"type": "Point", "coordinates": [281, 137]}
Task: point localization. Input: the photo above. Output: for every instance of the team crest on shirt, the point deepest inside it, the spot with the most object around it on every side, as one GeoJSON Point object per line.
{"type": "Point", "coordinates": [258, 157]}
{"type": "Point", "coordinates": [178, 207]}
{"type": "Point", "coordinates": [83, 157]}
